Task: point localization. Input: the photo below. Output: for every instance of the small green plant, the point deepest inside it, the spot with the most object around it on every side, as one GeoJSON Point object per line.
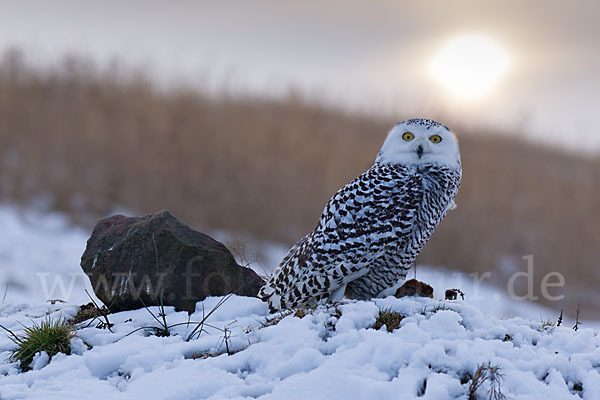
{"type": "Point", "coordinates": [277, 318]}
{"type": "Point", "coordinates": [391, 320]}
{"type": "Point", "coordinates": [547, 325]}
{"type": "Point", "coordinates": [50, 336]}
{"type": "Point", "coordinates": [300, 313]}
{"type": "Point", "coordinates": [486, 372]}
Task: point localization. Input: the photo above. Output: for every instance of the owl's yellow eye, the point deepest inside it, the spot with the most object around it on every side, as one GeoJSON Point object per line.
{"type": "Point", "coordinates": [407, 136]}
{"type": "Point", "coordinates": [435, 138]}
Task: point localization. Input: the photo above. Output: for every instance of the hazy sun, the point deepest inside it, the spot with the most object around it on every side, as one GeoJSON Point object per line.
{"type": "Point", "coordinates": [469, 65]}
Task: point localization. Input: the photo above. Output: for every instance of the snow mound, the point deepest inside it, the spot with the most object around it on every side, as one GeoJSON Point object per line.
{"type": "Point", "coordinates": [39, 257]}
{"type": "Point", "coordinates": [331, 352]}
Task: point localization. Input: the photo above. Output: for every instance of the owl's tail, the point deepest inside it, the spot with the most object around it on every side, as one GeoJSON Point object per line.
{"type": "Point", "coordinates": [269, 292]}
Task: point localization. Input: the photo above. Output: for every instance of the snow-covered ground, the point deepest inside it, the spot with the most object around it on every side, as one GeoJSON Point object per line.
{"type": "Point", "coordinates": [324, 355]}
{"type": "Point", "coordinates": [332, 352]}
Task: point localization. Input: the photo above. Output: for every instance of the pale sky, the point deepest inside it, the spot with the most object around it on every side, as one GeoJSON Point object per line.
{"type": "Point", "coordinates": [371, 55]}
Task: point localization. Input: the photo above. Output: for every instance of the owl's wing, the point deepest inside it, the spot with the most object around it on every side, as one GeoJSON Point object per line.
{"type": "Point", "coordinates": [269, 288]}
{"type": "Point", "coordinates": [293, 250]}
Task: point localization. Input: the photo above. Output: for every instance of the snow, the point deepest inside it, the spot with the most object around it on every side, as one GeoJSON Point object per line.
{"type": "Point", "coordinates": [320, 356]}
{"type": "Point", "coordinates": [39, 258]}
{"type": "Point", "coordinates": [242, 352]}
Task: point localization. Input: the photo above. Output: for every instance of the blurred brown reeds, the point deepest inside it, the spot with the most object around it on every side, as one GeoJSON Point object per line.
{"type": "Point", "coordinates": [88, 141]}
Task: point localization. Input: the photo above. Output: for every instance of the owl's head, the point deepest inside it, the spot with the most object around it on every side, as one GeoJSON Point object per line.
{"type": "Point", "coordinates": [420, 141]}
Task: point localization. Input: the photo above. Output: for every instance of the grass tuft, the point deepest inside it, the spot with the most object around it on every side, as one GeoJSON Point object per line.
{"type": "Point", "coordinates": [547, 325]}
{"type": "Point", "coordinates": [51, 336]}
{"type": "Point", "coordinates": [391, 320]}
{"type": "Point", "coordinates": [486, 373]}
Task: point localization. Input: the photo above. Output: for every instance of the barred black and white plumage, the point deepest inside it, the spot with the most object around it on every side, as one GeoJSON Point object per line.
{"type": "Point", "coordinates": [372, 229]}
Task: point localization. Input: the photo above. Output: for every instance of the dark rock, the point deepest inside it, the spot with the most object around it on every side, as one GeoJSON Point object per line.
{"type": "Point", "coordinates": [416, 288]}
{"type": "Point", "coordinates": [452, 294]}
{"type": "Point", "coordinates": [137, 261]}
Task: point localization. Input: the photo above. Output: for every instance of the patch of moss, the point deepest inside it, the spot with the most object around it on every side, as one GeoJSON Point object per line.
{"type": "Point", "coordinates": [391, 320]}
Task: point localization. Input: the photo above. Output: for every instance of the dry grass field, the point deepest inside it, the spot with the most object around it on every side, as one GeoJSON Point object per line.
{"type": "Point", "coordinates": [88, 141]}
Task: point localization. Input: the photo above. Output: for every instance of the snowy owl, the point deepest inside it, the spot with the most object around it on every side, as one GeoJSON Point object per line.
{"type": "Point", "coordinates": [372, 229]}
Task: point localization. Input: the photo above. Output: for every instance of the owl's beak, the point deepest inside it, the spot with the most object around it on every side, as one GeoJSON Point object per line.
{"type": "Point", "coordinates": [419, 151]}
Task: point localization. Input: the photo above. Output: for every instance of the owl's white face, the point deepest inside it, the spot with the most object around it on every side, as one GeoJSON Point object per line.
{"type": "Point", "coordinates": [420, 141]}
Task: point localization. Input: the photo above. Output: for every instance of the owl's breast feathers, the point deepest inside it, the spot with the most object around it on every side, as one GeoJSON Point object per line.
{"type": "Point", "coordinates": [369, 234]}
{"type": "Point", "coordinates": [389, 196]}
